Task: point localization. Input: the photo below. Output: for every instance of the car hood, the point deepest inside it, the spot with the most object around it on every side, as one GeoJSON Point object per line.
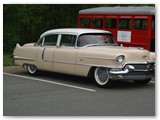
{"type": "Point", "coordinates": [131, 54]}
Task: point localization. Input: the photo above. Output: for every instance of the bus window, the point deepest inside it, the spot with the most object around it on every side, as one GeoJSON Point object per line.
{"type": "Point", "coordinates": [125, 23]}
{"type": "Point", "coordinates": [140, 24]}
{"type": "Point", "coordinates": [84, 22]}
{"type": "Point", "coordinates": [153, 23]}
{"type": "Point", "coordinates": [111, 23]}
{"type": "Point", "coordinates": [97, 22]}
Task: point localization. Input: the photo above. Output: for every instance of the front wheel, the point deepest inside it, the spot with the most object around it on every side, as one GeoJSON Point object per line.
{"type": "Point", "coordinates": [142, 82]}
{"type": "Point", "coordinates": [32, 69]}
{"type": "Point", "coordinates": [101, 76]}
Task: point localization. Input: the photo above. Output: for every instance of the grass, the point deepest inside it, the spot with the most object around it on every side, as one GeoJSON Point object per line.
{"type": "Point", "coordinates": [7, 60]}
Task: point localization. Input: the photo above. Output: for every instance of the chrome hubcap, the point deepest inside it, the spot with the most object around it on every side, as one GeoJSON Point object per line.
{"type": "Point", "coordinates": [101, 75]}
{"type": "Point", "coordinates": [32, 68]}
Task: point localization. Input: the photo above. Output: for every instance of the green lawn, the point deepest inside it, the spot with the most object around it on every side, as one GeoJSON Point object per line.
{"type": "Point", "coordinates": [7, 60]}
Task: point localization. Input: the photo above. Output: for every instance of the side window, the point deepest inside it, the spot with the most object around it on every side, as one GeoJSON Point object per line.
{"type": "Point", "coordinates": [140, 24]}
{"type": "Point", "coordinates": [50, 40]}
{"type": "Point", "coordinates": [84, 22]}
{"type": "Point", "coordinates": [68, 40]}
{"type": "Point", "coordinates": [111, 23]}
{"type": "Point", "coordinates": [125, 23]}
{"type": "Point", "coordinates": [97, 22]}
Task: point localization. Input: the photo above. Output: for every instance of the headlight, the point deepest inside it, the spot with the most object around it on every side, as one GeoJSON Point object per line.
{"type": "Point", "coordinates": [120, 58]}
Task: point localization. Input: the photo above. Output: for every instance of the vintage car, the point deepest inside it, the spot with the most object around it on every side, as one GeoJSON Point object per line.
{"type": "Point", "coordinates": [86, 52]}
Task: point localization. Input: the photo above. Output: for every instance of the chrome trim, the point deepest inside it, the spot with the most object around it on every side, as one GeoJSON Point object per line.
{"type": "Point", "coordinates": [137, 63]}
{"type": "Point", "coordinates": [43, 52]}
{"type": "Point", "coordinates": [120, 56]}
{"type": "Point", "coordinates": [130, 67]}
{"type": "Point", "coordinates": [23, 58]}
{"type": "Point", "coordinates": [90, 65]}
{"type": "Point", "coordinates": [47, 60]}
{"type": "Point", "coordinates": [96, 58]}
{"type": "Point", "coordinates": [94, 65]}
{"type": "Point", "coordinates": [127, 69]}
{"type": "Point", "coordinates": [71, 63]}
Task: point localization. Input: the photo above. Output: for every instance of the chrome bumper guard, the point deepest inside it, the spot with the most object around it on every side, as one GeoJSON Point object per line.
{"type": "Point", "coordinates": [126, 70]}
{"type": "Point", "coordinates": [134, 71]}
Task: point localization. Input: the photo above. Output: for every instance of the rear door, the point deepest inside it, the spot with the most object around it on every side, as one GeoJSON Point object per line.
{"type": "Point", "coordinates": [46, 51]}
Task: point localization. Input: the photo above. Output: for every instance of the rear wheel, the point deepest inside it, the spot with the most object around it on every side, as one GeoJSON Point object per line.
{"type": "Point", "coordinates": [32, 69]}
{"type": "Point", "coordinates": [101, 76]}
{"type": "Point", "coordinates": [142, 82]}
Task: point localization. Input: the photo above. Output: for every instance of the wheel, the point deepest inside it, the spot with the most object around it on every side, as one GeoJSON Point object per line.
{"type": "Point", "coordinates": [142, 82]}
{"type": "Point", "coordinates": [32, 69]}
{"type": "Point", "coordinates": [101, 76]}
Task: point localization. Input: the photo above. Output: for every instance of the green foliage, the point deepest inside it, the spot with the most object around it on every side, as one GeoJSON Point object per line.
{"type": "Point", "coordinates": [7, 60]}
{"type": "Point", "coordinates": [23, 23]}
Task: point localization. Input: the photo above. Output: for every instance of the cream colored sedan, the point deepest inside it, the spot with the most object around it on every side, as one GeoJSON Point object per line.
{"type": "Point", "coordinates": [86, 52]}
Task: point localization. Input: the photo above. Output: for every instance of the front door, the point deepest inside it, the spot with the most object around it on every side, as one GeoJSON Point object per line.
{"type": "Point", "coordinates": [65, 55]}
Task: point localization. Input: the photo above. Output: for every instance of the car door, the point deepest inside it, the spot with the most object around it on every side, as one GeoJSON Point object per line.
{"type": "Point", "coordinates": [45, 52]}
{"type": "Point", "coordinates": [65, 55]}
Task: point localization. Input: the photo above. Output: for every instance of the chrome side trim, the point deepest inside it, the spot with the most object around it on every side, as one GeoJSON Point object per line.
{"type": "Point", "coordinates": [97, 58]}
{"type": "Point", "coordinates": [47, 60]}
{"type": "Point", "coordinates": [95, 65]}
{"type": "Point", "coordinates": [71, 63]}
{"type": "Point", "coordinates": [23, 58]}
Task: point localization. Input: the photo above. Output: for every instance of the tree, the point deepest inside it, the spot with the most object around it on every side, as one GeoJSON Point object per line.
{"type": "Point", "coordinates": [25, 22]}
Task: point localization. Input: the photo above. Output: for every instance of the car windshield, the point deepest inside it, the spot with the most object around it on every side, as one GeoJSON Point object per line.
{"type": "Point", "coordinates": [95, 39]}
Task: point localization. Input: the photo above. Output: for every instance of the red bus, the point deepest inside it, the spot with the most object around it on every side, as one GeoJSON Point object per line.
{"type": "Point", "coordinates": [131, 26]}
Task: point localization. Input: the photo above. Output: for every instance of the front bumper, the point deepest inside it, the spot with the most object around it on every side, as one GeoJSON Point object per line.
{"type": "Point", "coordinates": [133, 71]}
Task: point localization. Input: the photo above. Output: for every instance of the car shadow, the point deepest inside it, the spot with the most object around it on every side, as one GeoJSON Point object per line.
{"type": "Point", "coordinates": [128, 84]}
{"type": "Point", "coordinates": [85, 82]}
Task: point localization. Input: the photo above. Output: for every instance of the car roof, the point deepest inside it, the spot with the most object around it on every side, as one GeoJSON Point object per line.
{"type": "Point", "coordinates": [76, 31]}
{"type": "Point", "coordinates": [120, 10]}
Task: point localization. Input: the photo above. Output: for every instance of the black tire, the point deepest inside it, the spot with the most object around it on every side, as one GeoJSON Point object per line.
{"type": "Point", "coordinates": [142, 82]}
{"type": "Point", "coordinates": [32, 69]}
{"type": "Point", "coordinates": [101, 76]}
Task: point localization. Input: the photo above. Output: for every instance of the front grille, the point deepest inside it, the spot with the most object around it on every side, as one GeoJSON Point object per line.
{"type": "Point", "coordinates": [141, 67]}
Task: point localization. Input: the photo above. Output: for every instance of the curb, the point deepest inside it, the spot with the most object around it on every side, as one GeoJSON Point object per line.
{"type": "Point", "coordinates": [13, 69]}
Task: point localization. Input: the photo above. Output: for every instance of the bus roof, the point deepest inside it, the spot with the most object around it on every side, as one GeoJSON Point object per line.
{"type": "Point", "coordinates": [120, 10]}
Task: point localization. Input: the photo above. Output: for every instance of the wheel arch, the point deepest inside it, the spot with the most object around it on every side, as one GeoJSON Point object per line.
{"type": "Point", "coordinates": [91, 71]}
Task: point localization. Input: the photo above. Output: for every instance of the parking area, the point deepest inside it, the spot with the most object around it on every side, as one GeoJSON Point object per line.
{"type": "Point", "coordinates": [53, 94]}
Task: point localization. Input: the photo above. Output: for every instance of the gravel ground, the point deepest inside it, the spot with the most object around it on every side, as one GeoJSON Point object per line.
{"type": "Point", "coordinates": [13, 69]}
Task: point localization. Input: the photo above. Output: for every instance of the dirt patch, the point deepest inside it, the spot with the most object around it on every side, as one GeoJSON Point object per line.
{"type": "Point", "coordinates": [14, 69]}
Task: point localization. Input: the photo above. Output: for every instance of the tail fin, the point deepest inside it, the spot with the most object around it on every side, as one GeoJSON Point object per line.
{"type": "Point", "coordinates": [17, 45]}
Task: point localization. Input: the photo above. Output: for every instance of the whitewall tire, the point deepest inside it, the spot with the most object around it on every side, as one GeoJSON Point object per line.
{"type": "Point", "coordinates": [32, 69]}
{"type": "Point", "coordinates": [101, 76]}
